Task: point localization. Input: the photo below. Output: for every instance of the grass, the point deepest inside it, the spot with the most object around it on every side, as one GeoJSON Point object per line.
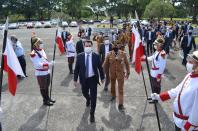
{"type": "Point", "coordinates": [196, 40]}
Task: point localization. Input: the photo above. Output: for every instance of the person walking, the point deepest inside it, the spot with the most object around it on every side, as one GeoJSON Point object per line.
{"type": "Point", "coordinates": [88, 67]}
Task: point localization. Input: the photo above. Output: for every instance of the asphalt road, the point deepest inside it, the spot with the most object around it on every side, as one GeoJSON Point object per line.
{"type": "Point", "coordinates": [24, 112]}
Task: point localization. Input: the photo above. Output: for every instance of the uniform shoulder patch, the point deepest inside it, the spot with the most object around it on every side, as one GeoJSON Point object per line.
{"type": "Point", "coordinates": [33, 54]}
{"type": "Point", "coordinates": [163, 54]}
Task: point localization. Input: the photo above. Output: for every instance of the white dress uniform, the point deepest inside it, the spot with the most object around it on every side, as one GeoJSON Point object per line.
{"type": "Point", "coordinates": [158, 63]}
{"type": "Point", "coordinates": [185, 105]}
{"type": "Point", "coordinates": [41, 65]}
{"type": "Point", "coordinates": [70, 48]}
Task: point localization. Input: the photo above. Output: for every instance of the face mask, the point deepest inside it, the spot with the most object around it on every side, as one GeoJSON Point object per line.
{"type": "Point", "coordinates": [155, 47]}
{"type": "Point", "coordinates": [41, 46]}
{"type": "Point", "coordinates": [88, 50]}
{"type": "Point", "coordinates": [106, 42]}
{"type": "Point", "coordinates": [189, 67]}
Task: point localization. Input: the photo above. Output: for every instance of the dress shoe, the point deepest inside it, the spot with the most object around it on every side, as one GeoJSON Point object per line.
{"type": "Point", "coordinates": [153, 101]}
{"type": "Point", "coordinates": [53, 101]}
{"type": "Point", "coordinates": [47, 103]}
{"type": "Point", "coordinates": [92, 119]}
{"type": "Point", "coordinates": [121, 107]}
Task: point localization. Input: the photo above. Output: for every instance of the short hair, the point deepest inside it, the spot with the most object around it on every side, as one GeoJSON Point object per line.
{"type": "Point", "coordinates": [88, 41]}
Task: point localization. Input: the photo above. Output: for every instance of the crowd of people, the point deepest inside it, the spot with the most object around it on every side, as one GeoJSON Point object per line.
{"type": "Point", "coordinates": [110, 63]}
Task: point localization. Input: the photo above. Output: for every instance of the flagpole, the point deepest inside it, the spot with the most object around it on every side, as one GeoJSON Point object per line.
{"type": "Point", "coordinates": [149, 72]}
{"type": "Point", "coordinates": [2, 58]}
{"type": "Point", "coordinates": [144, 83]}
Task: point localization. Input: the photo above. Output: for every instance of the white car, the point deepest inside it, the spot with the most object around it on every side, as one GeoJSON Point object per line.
{"type": "Point", "coordinates": [13, 26]}
{"type": "Point", "coordinates": [2, 27]}
{"type": "Point", "coordinates": [145, 22]}
{"type": "Point", "coordinates": [64, 24]}
{"type": "Point", "coordinates": [47, 24]}
{"type": "Point", "coordinates": [38, 25]}
{"type": "Point", "coordinates": [73, 24]}
{"type": "Point", "coordinates": [133, 21]}
{"type": "Point", "coordinates": [30, 25]}
{"type": "Point", "coordinates": [105, 22]}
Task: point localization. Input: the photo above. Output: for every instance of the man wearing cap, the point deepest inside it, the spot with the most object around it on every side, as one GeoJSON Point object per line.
{"type": "Point", "coordinates": [105, 48]}
{"type": "Point", "coordinates": [185, 97]}
{"type": "Point", "coordinates": [158, 60]}
{"type": "Point", "coordinates": [19, 51]}
{"type": "Point", "coordinates": [115, 63]}
{"type": "Point", "coordinates": [89, 68]}
{"type": "Point", "coordinates": [42, 72]}
{"type": "Point", "coordinates": [187, 43]}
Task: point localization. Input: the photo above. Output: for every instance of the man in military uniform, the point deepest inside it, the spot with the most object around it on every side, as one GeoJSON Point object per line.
{"type": "Point", "coordinates": [115, 63]}
{"type": "Point", "coordinates": [158, 64]}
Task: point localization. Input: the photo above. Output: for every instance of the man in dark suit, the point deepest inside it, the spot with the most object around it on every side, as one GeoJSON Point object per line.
{"type": "Point", "coordinates": [64, 35]}
{"type": "Point", "coordinates": [105, 48]}
{"type": "Point", "coordinates": [168, 40]}
{"type": "Point", "coordinates": [187, 43]}
{"type": "Point", "coordinates": [80, 45]}
{"type": "Point", "coordinates": [88, 65]}
{"type": "Point", "coordinates": [149, 39]}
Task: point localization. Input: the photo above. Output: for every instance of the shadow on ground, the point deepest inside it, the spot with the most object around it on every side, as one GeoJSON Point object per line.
{"type": "Point", "coordinates": [35, 120]}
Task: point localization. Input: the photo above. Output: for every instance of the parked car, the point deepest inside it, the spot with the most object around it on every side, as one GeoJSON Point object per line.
{"type": "Point", "coordinates": [13, 26]}
{"type": "Point", "coordinates": [97, 21]}
{"type": "Point", "coordinates": [73, 24]}
{"type": "Point", "coordinates": [133, 21]}
{"type": "Point", "coordinates": [30, 25]}
{"type": "Point", "coordinates": [64, 24]}
{"type": "Point", "coordinates": [90, 22]}
{"type": "Point", "coordinates": [145, 22]}
{"type": "Point", "coordinates": [38, 25]}
{"type": "Point", "coordinates": [54, 22]}
{"type": "Point", "coordinates": [47, 24]}
{"type": "Point", "coordinates": [2, 26]}
{"type": "Point", "coordinates": [105, 22]}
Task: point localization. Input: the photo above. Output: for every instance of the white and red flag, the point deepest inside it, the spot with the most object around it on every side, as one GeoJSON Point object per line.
{"type": "Point", "coordinates": [59, 42]}
{"type": "Point", "coordinates": [138, 52]}
{"type": "Point", "coordinates": [12, 67]}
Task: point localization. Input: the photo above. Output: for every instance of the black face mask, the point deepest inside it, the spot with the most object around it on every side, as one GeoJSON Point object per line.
{"type": "Point", "coordinates": [115, 49]}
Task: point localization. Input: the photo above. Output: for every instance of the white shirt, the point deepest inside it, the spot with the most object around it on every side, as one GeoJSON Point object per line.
{"type": "Point", "coordinates": [149, 35]}
{"type": "Point", "coordinates": [18, 49]}
{"type": "Point", "coordinates": [41, 65]}
{"type": "Point", "coordinates": [106, 49]}
{"type": "Point", "coordinates": [189, 40]}
{"type": "Point", "coordinates": [91, 72]}
{"type": "Point", "coordinates": [70, 47]}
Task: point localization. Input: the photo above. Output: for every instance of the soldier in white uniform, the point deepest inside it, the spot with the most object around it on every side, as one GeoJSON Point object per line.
{"type": "Point", "coordinates": [158, 64]}
{"type": "Point", "coordinates": [42, 72]}
{"type": "Point", "coordinates": [70, 52]}
{"type": "Point", "coordinates": [185, 105]}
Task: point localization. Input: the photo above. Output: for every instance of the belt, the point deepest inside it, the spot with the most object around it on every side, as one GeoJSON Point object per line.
{"type": "Point", "coordinates": [42, 69]}
{"type": "Point", "coordinates": [155, 68]}
{"type": "Point", "coordinates": [181, 116]}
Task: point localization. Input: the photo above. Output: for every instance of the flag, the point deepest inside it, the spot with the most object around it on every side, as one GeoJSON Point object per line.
{"type": "Point", "coordinates": [59, 42]}
{"type": "Point", "coordinates": [138, 52]}
{"type": "Point", "coordinates": [12, 67]}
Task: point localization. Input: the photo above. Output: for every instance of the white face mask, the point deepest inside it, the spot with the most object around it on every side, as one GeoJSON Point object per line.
{"type": "Point", "coordinates": [106, 42]}
{"type": "Point", "coordinates": [41, 46]}
{"type": "Point", "coordinates": [189, 67]}
{"type": "Point", "coordinates": [88, 50]}
{"type": "Point", "coordinates": [155, 46]}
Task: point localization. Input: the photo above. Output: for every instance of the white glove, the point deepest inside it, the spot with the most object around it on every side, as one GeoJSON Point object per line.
{"type": "Point", "coordinates": [155, 96]}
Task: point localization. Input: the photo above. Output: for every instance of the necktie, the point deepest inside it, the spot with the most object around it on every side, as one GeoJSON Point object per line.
{"type": "Point", "coordinates": [87, 67]}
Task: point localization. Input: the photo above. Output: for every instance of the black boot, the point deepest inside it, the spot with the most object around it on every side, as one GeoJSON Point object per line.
{"type": "Point", "coordinates": [48, 98]}
{"type": "Point", "coordinates": [45, 98]}
{"type": "Point", "coordinates": [92, 118]}
{"type": "Point", "coordinates": [71, 69]}
{"type": "Point", "coordinates": [121, 107]}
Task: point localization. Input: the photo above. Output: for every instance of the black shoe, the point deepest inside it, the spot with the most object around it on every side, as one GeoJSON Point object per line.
{"type": "Point", "coordinates": [47, 103]}
{"type": "Point", "coordinates": [153, 101]}
{"type": "Point", "coordinates": [121, 107]}
{"type": "Point", "coordinates": [53, 101]}
{"type": "Point", "coordinates": [87, 103]}
{"type": "Point", "coordinates": [113, 98]}
{"type": "Point", "coordinates": [149, 98]}
{"type": "Point", "coordinates": [92, 119]}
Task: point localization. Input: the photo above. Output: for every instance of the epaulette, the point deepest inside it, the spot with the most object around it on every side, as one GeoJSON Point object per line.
{"type": "Point", "coordinates": [163, 54]}
{"type": "Point", "coordinates": [32, 54]}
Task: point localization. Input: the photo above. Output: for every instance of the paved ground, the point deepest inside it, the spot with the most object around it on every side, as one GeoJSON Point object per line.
{"type": "Point", "coordinates": [25, 112]}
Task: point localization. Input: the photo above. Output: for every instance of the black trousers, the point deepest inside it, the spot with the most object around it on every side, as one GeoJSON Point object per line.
{"type": "Point", "coordinates": [156, 85]}
{"type": "Point", "coordinates": [149, 47]}
{"type": "Point", "coordinates": [89, 91]}
{"type": "Point", "coordinates": [22, 63]}
{"type": "Point", "coordinates": [185, 52]}
{"type": "Point", "coordinates": [177, 128]}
